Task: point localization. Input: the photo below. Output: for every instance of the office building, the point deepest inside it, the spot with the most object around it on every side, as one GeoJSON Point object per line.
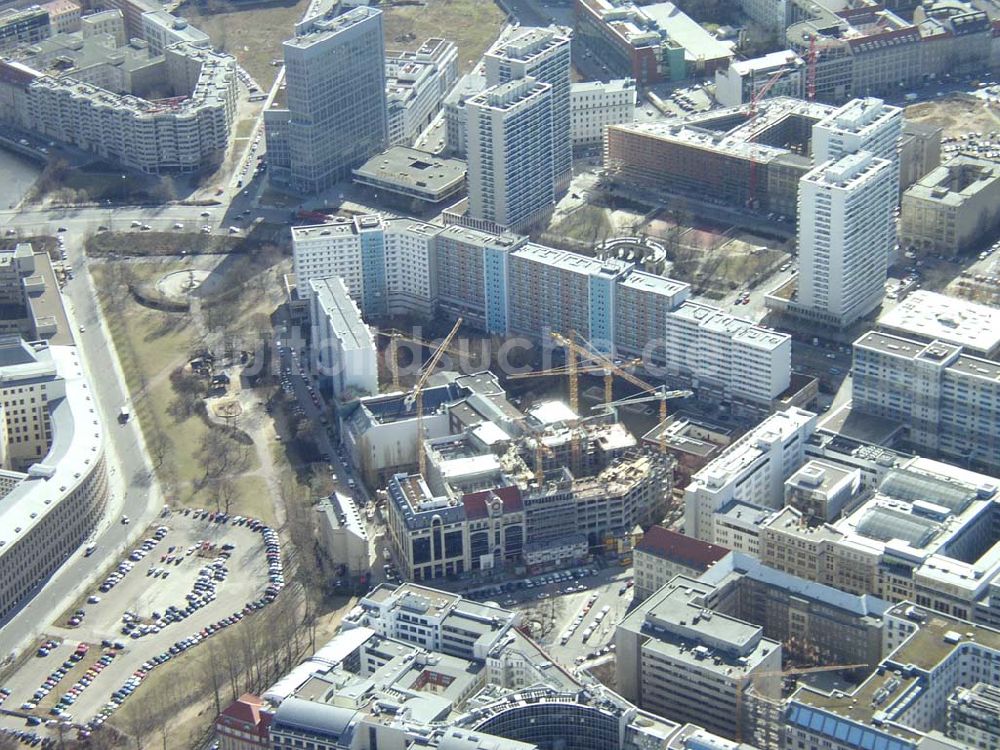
{"type": "Point", "coordinates": [414, 178]}
{"type": "Point", "coordinates": [783, 73]}
{"type": "Point", "coordinates": [188, 133]}
{"type": "Point", "coordinates": [919, 151]}
{"type": "Point", "coordinates": [845, 231]}
{"type": "Point", "coordinates": [110, 22]}
{"type": "Point", "coordinates": [161, 29]}
{"type": "Point", "coordinates": [401, 667]}
{"type": "Point", "coordinates": [752, 469]}
{"type": "Point", "coordinates": [677, 658]}
{"type": "Point", "coordinates": [544, 55]}
{"type": "Point", "coordinates": [416, 84]}
{"type": "Point", "coordinates": [952, 208]}
{"type": "Point", "coordinates": [947, 401]}
{"type": "Point", "coordinates": [663, 554]}
{"type": "Point", "coordinates": [343, 347]}
{"type": "Point", "coordinates": [651, 43]}
{"type": "Point", "coordinates": [596, 104]}
{"type": "Point", "coordinates": [903, 705]}
{"type": "Point", "coordinates": [510, 155]}
{"type": "Point", "coordinates": [19, 27]}
{"type": "Point", "coordinates": [773, 15]}
{"type": "Point", "coordinates": [872, 50]}
{"type": "Point", "coordinates": [244, 724]}
{"type": "Point", "coordinates": [54, 477]}
{"type": "Point", "coordinates": [929, 316]}
{"type": "Point", "coordinates": [974, 716]}
{"type": "Point", "coordinates": [709, 154]}
{"type": "Point", "coordinates": [64, 16]}
{"type": "Point", "coordinates": [726, 358]}
{"type": "Point", "coordinates": [333, 117]}
{"type": "Point", "coordinates": [132, 12]}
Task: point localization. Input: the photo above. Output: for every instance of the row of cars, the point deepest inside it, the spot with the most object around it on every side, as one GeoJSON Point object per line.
{"type": "Point", "coordinates": [125, 566]}
{"type": "Point", "coordinates": [206, 579]}
{"type": "Point", "coordinates": [55, 676]}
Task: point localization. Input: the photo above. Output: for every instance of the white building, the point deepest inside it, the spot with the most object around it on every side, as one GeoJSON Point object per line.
{"type": "Point", "coordinates": [845, 229]}
{"type": "Point", "coordinates": [752, 470]}
{"type": "Point", "coordinates": [596, 104]}
{"type": "Point", "coordinates": [743, 79]}
{"type": "Point", "coordinates": [161, 29]}
{"type": "Point", "coordinates": [53, 485]}
{"type": "Point", "coordinates": [510, 154]}
{"type": "Point", "coordinates": [929, 316]}
{"type": "Point", "coordinates": [343, 535]}
{"type": "Point", "coordinates": [726, 356]}
{"type": "Point", "coordinates": [544, 55]}
{"type": "Point", "coordinates": [416, 83]}
{"type": "Point", "coordinates": [343, 347]}
{"type": "Point", "coordinates": [399, 280]}
{"type": "Point", "coordinates": [867, 124]}
{"type": "Point", "coordinates": [104, 22]}
{"type": "Point", "coordinates": [184, 134]}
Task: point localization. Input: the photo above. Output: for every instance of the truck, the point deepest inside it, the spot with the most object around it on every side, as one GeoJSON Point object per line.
{"type": "Point", "coordinates": [123, 415]}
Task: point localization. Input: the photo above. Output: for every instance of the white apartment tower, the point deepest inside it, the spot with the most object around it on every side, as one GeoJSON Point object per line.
{"type": "Point", "coordinates": [542, 54]}
{"type": "Point", "coordinates": [845, 228]}
{"type": "Point", "coordinates": [510, 154]}
{"type": "Point", "coordinates": [344, 352]}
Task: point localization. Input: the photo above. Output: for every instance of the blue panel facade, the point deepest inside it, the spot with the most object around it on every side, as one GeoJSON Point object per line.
{"type": "Point", "coordinates": [373, 272]}
{"type": "Point", "coordinates": [495, 289]}
{"type": "Point", "coordinates": [602, 312]}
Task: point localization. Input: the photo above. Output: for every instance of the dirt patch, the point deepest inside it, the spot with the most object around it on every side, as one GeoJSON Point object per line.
{"type": "Point", "coordinates": [956, 114]}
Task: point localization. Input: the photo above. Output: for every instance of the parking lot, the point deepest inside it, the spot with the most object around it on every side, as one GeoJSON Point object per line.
{"type": "Point", "coordinates": [570, 603]}
{"type": "Point", "coordinates": [172, 590]}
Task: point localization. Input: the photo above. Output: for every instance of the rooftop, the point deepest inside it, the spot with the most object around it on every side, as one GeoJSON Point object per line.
{"type": "Point", "coordinates": [688, 551]}
{"type": "Point", "coordinates": [409, 171]}
{"type": "Point", "coordinates": [342, 313]}
{"type": "Point", "coordinates": [928, 315]}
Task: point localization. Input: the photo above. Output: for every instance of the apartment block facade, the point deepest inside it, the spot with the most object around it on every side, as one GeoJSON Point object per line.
{"type": "Point", "coordinates": [948, 401]}
{"type": "Point", "coordinates": [343, 347]}
{"type": "Point", "coordinates": [510, 154]}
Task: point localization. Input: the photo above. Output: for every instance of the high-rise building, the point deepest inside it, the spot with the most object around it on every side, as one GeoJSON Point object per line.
{"type": "Point", "coordinates": [335, 116]}
{"type": "Point", "coordinates": [542, 54]}
{"type": "Point", "coordinates": [511, 154]}
{"type": "Point", "coordinates": [845, 230]}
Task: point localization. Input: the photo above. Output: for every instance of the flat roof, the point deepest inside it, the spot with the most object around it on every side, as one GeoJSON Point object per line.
{"type": "Point", "coordinates": [410, 171]}
{"type": "Point", "coordinates": [930, 315]}
{"type": "Point", "coordinates": [342, 313]}
{"type": "Point", "coordinates": [77, 445]}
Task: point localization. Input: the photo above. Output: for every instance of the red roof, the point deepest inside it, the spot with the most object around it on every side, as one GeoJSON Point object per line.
{"type": "Point", "coordinates": [245, 709]}
{"type": "Point", "coordinates": [475, 502]}
{"type": "Point", "coordinates": [685, 550]}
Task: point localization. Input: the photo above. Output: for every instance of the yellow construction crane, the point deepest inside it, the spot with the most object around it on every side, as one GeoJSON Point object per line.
{"type": "Point", "coordinates": [660, 395]}
{"type": "Point", "coordinates": [784, 673]}
{"type": "Point", "coordinates": [394, 338]}
{"type": "Point", "coordinates": [591, 370]}
{"type": "Point", "coordinates": [587, 352]}
{"type": "Point", "coordinates": [416, 394]}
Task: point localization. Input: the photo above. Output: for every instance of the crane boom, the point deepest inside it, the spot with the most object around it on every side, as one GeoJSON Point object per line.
{"type": "Point", "coordinates": [416, 395]}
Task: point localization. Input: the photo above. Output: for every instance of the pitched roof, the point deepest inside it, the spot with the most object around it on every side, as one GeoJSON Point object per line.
{"type": "Point", "coordinates": [685, 550]}
{"type": "Point", "coordinates": [475, 502]}
{"type": "Point", "coordinates": [245, 709]}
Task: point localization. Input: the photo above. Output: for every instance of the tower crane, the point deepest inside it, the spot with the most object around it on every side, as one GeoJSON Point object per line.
{"type": "Point", "coordinates": [659, 393]}
{"type": "Point", "coordinates": [394, 338]}
{"type": "Point", "coordinates": [588, 369]}
{"type": "Point", "coordinates": [752, 115]}
{"type": "Point", "coordinates": [416, 394]}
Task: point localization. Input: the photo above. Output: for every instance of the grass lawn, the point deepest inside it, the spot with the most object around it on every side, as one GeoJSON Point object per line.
{"type": "Point", "coordinates": [244, 128]}
{"type": "Point", "coordinates": [472, 24]}
{"type": "Point", "coordinates": [151, 344]}
{"type": "Point", "coordinates": [251, 33]}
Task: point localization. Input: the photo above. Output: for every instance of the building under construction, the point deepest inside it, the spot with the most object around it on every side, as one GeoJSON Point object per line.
{"type": "Point", "coordinates": [748, 155]}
